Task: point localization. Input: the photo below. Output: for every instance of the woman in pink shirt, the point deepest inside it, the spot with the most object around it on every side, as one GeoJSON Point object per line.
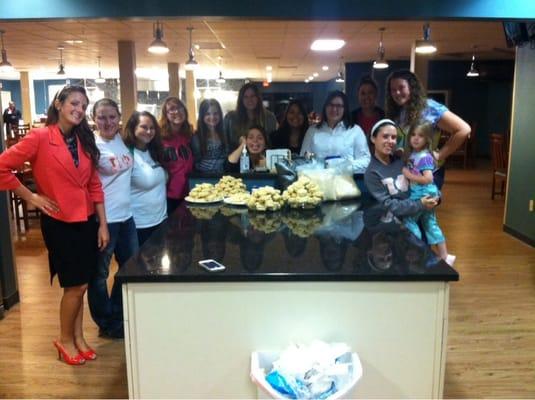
{"type": "Point", "coordinates": [178, 157]}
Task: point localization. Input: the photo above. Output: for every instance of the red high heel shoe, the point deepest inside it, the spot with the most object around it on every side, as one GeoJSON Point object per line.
{"type": "Point", "coordinates": [88, 355]}
{"type": "Point", "coordinates": [77, 359]}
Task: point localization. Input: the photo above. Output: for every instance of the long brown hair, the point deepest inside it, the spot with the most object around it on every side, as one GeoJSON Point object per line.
{"type": "Point", "coordinates": [416, 103]}
{"type": "Point", "coordinates": [155, 146]}
{"type": "Point", "coordinates": [259, 118]}
{"type": "Point", "coordinates": [82, 130]}
{"type": "Point", "coordinates": [202, 128]}
{"type": "Point", "coordinates": [186, 128]}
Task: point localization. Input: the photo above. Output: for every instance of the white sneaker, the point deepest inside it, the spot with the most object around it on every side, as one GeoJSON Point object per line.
{"type": "Point", "coordinates": [450, 259]}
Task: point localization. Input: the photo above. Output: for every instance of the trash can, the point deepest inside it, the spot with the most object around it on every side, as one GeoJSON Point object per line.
{"type": "Point", "coordinates": [263, 361]}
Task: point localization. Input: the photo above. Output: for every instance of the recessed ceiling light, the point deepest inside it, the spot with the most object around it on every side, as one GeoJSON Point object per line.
{"type": "Point", "coordinates": [74, 41]}
{"type": "Point", "coordinates": [325, 68]}
{"type": "Point", "coordinates": [306, 81]}
{"type": "Point", "coordinates": [310, 78]}
{"type": "Point", "coordinates": [315, 74]}
{"type": "Point", "coordinates": [327, 44]}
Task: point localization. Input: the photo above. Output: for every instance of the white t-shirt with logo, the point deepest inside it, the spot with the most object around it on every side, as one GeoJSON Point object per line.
{"type": "Point", "coordinates": [115, 171]}
{"type": "Point", "coordinates": [148, 192]}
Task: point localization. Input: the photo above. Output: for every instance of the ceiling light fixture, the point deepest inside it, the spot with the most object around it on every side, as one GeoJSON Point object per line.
{"type": "Point", "coordinates": [327, 44]}
{"type": "Point", "coordinates": [380, 62]}
{"type": "Point", "coordinates": [61, 70]}
{"type": "Point", "coordinates": [426, 45]}
{"type": "Point", "coordinates": [5, 65]}
{"type": "Point", "coordinates": [100, 79]}
{"type": "Point", "coordinates": [74, 41]}
{"type": "Point", "coordinates": [315, 74]}
{"type": "Point", "coordinates": [340, 74]}
{"type": "Point", "coordinates": [220, 79]}
{"type": "Point", "coordinates": [191, 64]}
{"type": "Point", "coordinates": [473, 72]}
{"type": "Point", "coordinates": [325, 68]}
{"type": "Point", "coordinates": [158, 46]}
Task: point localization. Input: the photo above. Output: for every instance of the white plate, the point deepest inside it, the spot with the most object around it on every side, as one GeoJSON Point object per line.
{"type": "Point", "coordinates": [195, 201]}
{"type": "Point", "coordinates": [228, 200]}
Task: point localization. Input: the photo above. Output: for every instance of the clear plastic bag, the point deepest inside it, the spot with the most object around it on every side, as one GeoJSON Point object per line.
{"type": "Point", "coordinates": [336, 182]}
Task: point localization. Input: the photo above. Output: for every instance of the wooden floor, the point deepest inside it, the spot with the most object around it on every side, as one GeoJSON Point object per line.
{"type": "Point", "coordinates": [491, 339]}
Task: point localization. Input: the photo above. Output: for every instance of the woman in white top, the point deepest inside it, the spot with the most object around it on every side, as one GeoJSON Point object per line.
{"type": "Point", "coordinates": [115, 171]}
{"type": "Point", "coordinates": [148, 192]}
{"type": "Point", "coordinates": [337, 136]}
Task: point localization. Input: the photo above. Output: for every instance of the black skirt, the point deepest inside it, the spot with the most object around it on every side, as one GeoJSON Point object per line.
{"type": "Point", "coordinates": [72, 249]}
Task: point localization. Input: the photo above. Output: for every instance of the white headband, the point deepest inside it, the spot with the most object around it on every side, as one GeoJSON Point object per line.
{"type": "Point", "coordinates": [381, 123]}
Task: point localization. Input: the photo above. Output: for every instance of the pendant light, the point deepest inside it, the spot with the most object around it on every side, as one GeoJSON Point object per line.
{"type": "Point", "coordinates": [380, 62]}
{"type": "Point", "coordinates": [340, 74]}
{"type": "Point", "coordinates": [191, 64]}
{"type": "Point", "coordinates": [426, 45]}
{"type": "Point", "coordinates": [473, 72]}
{"type": "Point", "coordinates": [100, 79]}
{"type": "Point", "coordinates": [158, 46]}
{"type": "Point", "coordinates": [5, 65]}
{"type": "Point", "coordinates": [220, 79]}
{"type": "Point", "coordinates": [61, 70]}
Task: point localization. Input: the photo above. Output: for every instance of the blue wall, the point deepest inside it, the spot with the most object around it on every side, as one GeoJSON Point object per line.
{"type": "Point", "coordinates": [40, 87]}
{"type": "Point", "coordinates": [485, 100]}
{"type": "Point", "coordinates": [14, 88]}
{"type": "Point", "coordinates": [318, 90]}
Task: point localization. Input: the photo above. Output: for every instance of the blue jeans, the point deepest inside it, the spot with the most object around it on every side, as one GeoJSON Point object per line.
{"type": "Point", "coordinates": [107, 310]}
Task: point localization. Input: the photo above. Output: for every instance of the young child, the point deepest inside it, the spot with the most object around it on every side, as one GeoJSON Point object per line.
{"type": "Point", "coordinates": [419, 171]}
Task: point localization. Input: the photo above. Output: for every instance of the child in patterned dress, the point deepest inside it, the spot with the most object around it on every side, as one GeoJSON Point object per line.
{"type": "Point", "coordinates": [419, 171]}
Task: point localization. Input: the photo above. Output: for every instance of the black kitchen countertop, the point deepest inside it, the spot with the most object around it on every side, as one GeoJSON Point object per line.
{"type": "Point", "coordinates": [339, 241]}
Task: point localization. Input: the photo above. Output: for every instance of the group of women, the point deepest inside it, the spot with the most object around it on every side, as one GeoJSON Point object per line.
{"type": "Point", "coordinates": [84, 177]}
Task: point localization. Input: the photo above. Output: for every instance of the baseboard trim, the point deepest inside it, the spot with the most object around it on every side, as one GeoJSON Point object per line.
{"type": "Point", "coordinates": [11, 300]}
{"type": "Point", "coordinates": [520, 236]}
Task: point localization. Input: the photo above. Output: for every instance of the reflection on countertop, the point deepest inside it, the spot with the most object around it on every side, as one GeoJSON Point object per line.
{"type": "Point", "coordinates": [339, 241]}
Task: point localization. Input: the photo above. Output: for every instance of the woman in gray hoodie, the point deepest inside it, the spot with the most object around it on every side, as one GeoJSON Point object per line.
{"type": "Point", "coordinates": [384, 177]}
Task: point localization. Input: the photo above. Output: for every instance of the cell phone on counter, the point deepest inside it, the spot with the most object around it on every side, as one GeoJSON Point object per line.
{"type": "Point", "coordinates": [211, 265]}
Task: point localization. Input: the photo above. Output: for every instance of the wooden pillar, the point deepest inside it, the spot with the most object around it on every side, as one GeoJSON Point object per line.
{"type": "Point", "coordinates": [174, 79]}
{"type": "Point", "coordinates": [26, 97]}
{"type": "Point", "coordinates": [190, 96]}
{"type": "Point", "coordinates": [127, 76]}
{"type": "Point", "coordinates": [419, 65]}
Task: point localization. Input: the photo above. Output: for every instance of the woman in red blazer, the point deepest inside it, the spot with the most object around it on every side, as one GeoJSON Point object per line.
{"type": "Point", "coordinates": [64, 158]}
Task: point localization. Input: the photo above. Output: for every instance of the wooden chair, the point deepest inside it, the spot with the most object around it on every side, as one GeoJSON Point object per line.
{"type": "Point", "coordinates": [466, 152]}
{"type": "Point", "coordinates": [19, 131]}
{"type": "Point", "coordinates": [21, 212]}
{"type": "Point", "coordinates": [499, 156]}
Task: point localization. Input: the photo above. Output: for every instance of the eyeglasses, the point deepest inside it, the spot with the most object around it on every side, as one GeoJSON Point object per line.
{"type": "Point", "coordinates": [175, 110]}
{"type": "Point", "coordinates": [334, 105]}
